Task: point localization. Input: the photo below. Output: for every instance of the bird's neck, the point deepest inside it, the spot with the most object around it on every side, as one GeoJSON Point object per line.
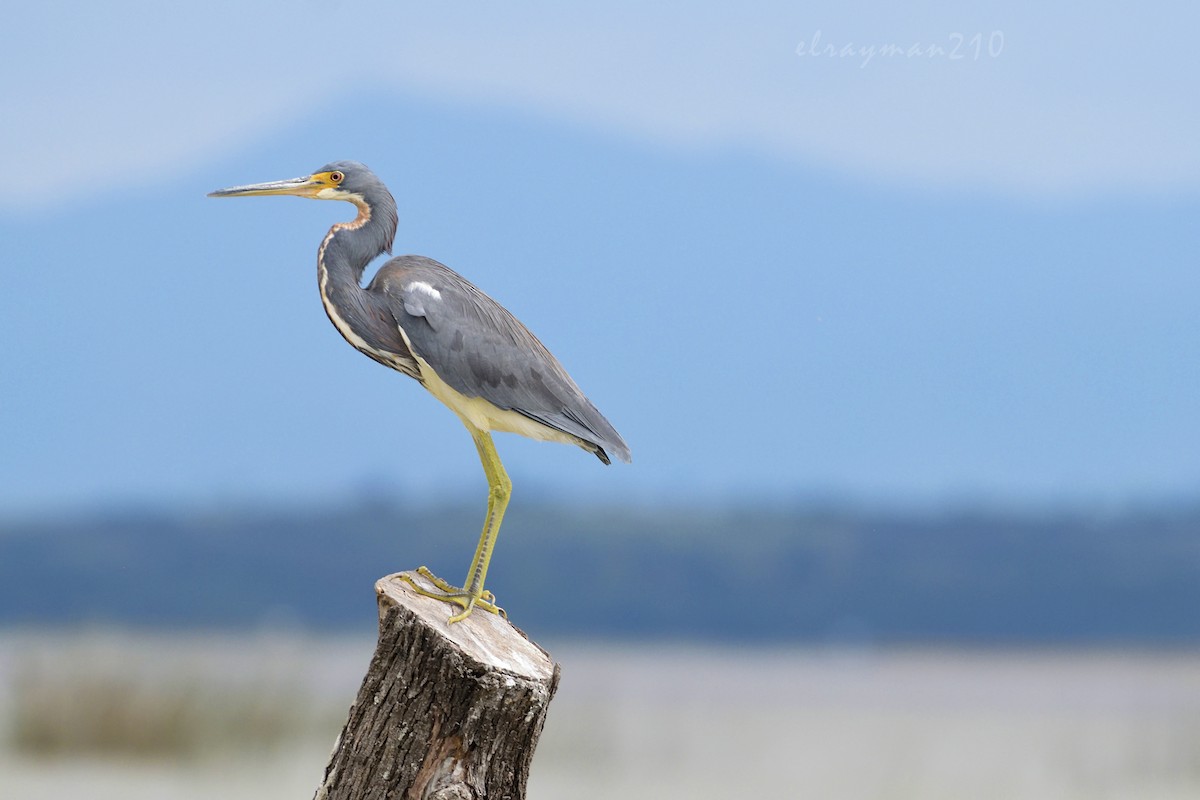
{"type": "Point", "coordinates": [350, 246]}
{"type": "Point", "coordinates": [353, 310]}
{"type": "Point", "coordinates": [357, 312]}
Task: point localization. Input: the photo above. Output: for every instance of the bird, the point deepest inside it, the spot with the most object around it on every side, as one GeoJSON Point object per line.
{"type": "Point", "coordinates": [421, 318]}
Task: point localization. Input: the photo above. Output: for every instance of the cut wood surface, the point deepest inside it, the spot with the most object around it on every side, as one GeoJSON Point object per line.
{"type": "Point", "coordinates": [445, 712]}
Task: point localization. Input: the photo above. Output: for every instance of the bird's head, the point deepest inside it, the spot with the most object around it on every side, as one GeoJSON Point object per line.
{"type": "Point", "coordinates": [340, 180]}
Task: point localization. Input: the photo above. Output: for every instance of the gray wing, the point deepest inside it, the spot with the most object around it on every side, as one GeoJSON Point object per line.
{"type": "Point", "coordinates": [481, 350]}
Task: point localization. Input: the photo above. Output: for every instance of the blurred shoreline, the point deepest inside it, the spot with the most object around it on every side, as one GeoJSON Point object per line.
{"type": "Point", "coordinates": [750, 574]}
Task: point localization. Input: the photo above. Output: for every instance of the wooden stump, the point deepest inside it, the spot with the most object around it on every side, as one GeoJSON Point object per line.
{"type": "Point", "coordinates": [445, 712]}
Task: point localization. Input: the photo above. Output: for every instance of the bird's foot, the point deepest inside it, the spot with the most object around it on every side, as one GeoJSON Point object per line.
{"type": "Point", "coordinates": [454, 595]}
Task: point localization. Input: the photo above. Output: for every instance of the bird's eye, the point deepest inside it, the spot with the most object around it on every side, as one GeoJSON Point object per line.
{"type": "Point", "coordinates": [336, 177]}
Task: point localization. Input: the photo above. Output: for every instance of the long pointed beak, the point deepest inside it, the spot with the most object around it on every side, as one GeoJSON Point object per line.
{"type": "Point", "coordinates": [307, 186]}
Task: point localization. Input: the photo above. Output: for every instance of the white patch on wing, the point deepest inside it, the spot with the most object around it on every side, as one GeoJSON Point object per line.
{"type": "Point", "coordinates": [425, 289]}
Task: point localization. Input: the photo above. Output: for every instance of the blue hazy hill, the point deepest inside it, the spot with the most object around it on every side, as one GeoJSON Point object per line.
{"type": "Point", "coordinates": [751, 327]}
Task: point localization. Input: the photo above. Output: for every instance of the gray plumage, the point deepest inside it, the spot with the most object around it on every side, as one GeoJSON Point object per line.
{"type": "Point", "coordinates": [429, 322]}
{"type": "Point", "coordinates": [472, 342]}
{"type": "Point", "coordinates": [481, 350]}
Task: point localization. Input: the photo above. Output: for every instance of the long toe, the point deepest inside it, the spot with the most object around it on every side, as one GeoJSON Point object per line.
{"type": "Point", "coordinates": [465, 600]}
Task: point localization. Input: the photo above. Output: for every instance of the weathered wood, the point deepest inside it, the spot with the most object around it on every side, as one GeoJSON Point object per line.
{"type": "Point", "coordinates": [445, 712]}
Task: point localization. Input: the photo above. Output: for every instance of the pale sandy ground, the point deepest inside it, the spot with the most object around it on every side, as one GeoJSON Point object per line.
{"type": "Point", "coordinates": [696, 723]}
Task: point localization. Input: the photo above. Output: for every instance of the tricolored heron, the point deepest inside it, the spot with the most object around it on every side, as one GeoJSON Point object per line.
{"type": "Point", "coordinates": [427, 321]}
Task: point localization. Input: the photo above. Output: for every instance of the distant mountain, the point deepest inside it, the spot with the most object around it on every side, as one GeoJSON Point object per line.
{"type": "Point", "coordinates": [749, 325]}
{"type": "Point", "coordinates": [738, 574]}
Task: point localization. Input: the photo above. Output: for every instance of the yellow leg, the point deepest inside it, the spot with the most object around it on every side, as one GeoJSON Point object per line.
{"type": "Point", "coordinates": [499, 489]}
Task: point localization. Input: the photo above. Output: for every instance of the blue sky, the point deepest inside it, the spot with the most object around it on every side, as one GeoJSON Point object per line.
{"type": "Point", "coordinates": [950, 273]}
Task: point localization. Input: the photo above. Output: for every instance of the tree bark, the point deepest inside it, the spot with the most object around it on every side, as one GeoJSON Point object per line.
{"type": "Point", "coordinates": [445, 712]}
